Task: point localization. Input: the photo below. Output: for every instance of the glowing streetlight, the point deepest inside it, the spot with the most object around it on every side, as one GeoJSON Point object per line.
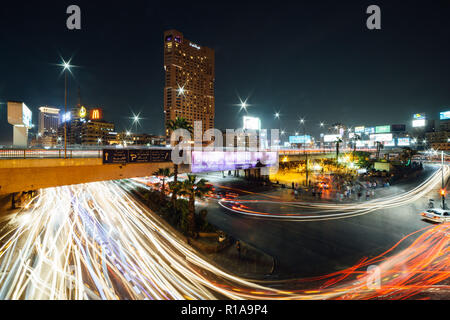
{"type": "Point", "coordinates": [66, 67]}
{"type": "Point", "coordinates": [277, 115]}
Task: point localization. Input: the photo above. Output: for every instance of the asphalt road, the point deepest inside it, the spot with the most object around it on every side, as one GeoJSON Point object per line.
{"type": "Point", "coordinates": [306, 249]}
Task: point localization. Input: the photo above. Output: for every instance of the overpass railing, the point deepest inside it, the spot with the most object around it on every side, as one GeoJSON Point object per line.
{"type": "Point", "coordinates": [48, 154]}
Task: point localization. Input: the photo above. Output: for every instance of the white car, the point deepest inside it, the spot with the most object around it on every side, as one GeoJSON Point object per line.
{"type": "Point", "coordinates": [436, 215]}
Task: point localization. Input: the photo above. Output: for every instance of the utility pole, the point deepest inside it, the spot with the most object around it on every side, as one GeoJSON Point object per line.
{"type": "Point", "coordinates": [443, 182]}
{"type": "Point", "coordinates": [65, 114]}
{"type": "Point", "coordinates": [306, 154]}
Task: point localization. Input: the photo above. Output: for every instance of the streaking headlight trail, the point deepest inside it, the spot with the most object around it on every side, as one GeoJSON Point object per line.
{"type": "Point", "coordinates": [95, 241]}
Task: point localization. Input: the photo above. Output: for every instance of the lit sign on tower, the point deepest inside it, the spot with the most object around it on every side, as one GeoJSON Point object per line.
{"type": "Point", "coordinates": [83, 112]}
{"type": "Point", "coordinates": [96, 114]}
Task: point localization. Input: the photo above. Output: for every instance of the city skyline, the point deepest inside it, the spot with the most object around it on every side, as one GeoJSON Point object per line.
{"type": "Point", "coordinates": [238, 151]}
{"type": "Point", "coordinates": [376, 83]}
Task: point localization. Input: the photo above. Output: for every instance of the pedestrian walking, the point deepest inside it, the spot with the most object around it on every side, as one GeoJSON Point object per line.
{"type": "Point", "coordinates": [367, 195]}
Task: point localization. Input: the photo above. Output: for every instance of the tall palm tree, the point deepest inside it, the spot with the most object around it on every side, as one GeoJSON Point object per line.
{"type": "Point", "coordinates": [173, 125]}
{"type": "Point", "coordinates": [175, 187]}
{"type": "Point", "coordinates": [380, 146]}
{"type": "Point", "coordinates": [355, 139]}
{"type": "Point", "coordinates": [338, 145]}
{"type": "Point", "coordinates": [193, 189]}
{"type": "Point", "coordinates": [163, 174]}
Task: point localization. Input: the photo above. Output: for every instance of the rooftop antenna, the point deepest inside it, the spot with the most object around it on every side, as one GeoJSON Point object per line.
{"type": "Point", "coordinates": [79, 97]}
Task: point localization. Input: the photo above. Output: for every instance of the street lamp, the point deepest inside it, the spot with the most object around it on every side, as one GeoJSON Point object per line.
{"type": "Point", "coordinates": [66, 67]}
{"type": "Point", "coordinates": [302, 121]}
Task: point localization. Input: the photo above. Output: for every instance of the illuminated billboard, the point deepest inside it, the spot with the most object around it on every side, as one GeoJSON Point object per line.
{"type": "Point", "coordinates": [385, 137]}
{"type": "Point", "coordinates": [403, 142]}
{"type": "Point", "coordinates": [300, 139]}
{"type": "Point", "coordinates": [331, 137]}
{"type": "Point", "coordinates": [389, 143]}
{"type": "Point", "coordinates": [359, 129]}
{"type": "Point", "coordinates": [252, 123]}
{"type": "Point", "coordinates": [419, 116]}
{"type": "Point", "coordinates": [96, 114]}
{"type": "Point", "coordinates": [224, 161]}
{"type": "Point", "coordinates": [67, 117]}
{"type": "Point", "coordinates": [369, 131]}
{"type": "Point", "coordinates": [19, 115]}
{"type": "Point", "coordinates": [83, 113]}
{"type": "Point", "coordinates": [383, 129]}
{"type": "Point", "coordinates": [418, 123]}
{"type": "Point", "coordinates": [445, 115]}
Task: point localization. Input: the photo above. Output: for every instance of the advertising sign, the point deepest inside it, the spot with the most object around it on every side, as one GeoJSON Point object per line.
{"type": "Point", "coordinates": [383, 129]}
{"type": "Point", "coordinates": [398, 128]}
{"type": "Point", "coordinates": [299, 139]}
{"type": "Point", "coordinates": [369, 131]}
{"type": "Point", "coordinates": [419, 116]}
{"type": "Point", "coordinates": [96, 114]}
{"type": "Point", "coordinates": [418, 123]}
{"type": "Point", "coordinates": [223, 161]}
{"type": "Point", "coordinates": [387, 137]}
{"type": "Point", "coordinates": [135, 156]}
{"type": "Point", "coordinates": [252, 123]}
{"type": "Point", "coordinates": [19, 114]}
{"type": "Point", "coordinates": [331, 137]}
{"type": "Point", "coordinates": [359, 129]}
{"type": "Point", "coordinates": [445, 115]}
{"type": "Point", "coordinates": [404, 142]}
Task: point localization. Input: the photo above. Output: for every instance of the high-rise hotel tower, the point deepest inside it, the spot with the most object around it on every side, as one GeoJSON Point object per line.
{"type": "Point", "coordinates": [189, 83]}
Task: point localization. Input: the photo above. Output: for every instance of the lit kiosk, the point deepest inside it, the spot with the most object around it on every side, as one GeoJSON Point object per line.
{"type": "Point", "coordinates": [20, 117]}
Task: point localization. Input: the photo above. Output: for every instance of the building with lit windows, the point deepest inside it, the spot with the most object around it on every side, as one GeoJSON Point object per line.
{"type": "Point", "coordinates": [48, 120]}
{"type": "Point", "coordinates": [189, 81]}
{"type": "Point", "coordinates": [96, 132]}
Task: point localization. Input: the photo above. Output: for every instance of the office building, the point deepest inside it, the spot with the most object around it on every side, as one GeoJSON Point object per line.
{"type": "Point", "coordinates": [49, 120]}
{"type": "Point", "coordinates": [189, 81]}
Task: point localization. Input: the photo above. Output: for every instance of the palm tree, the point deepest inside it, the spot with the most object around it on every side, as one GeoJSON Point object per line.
{"type": "Point", "coordinates": [193, 189]}
{"type": "Point", "coordinates": [173, 125]}
{"type": "Point", "coordinates": [380, 146]}
{"type": "Point", "coordinates": [338, 144]}
{"type": "Point", "coordinates": [355, 139]}
{"type": "Point", "coordinates": [175, 187]}
{"type": "Point", "coordinates": [163, 174]}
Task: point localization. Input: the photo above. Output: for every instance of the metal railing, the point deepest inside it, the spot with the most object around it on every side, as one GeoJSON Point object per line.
{"type": "Point", "coordinates": [48, 154]}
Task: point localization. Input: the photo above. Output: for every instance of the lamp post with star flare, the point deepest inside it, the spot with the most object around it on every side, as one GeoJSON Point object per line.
{"type": "Point", "coordinates": [66, 67]}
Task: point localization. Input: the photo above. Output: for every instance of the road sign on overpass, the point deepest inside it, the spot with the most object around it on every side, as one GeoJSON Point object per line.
{"type": "Point", "coordinates": [111, 156]}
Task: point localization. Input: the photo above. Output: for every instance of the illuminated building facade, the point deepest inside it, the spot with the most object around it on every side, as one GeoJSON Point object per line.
{"type": "Point", "coordinates": [189, 82]}
{"type": "Point", "coordinates": [96, 132]}
{"type": "Point", "coordinates": [49, 119]}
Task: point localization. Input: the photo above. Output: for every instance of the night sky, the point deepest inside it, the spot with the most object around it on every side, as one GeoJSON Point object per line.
{"type": "Point", "coordinates": [313, 59]}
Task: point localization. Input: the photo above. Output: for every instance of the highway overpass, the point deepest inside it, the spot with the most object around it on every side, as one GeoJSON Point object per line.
{"type": "Point", "coordinates": [27, 170]}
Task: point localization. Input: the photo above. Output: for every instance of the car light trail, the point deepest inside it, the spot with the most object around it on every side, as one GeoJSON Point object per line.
{"type": "Point", "coordinates": [331, 211]}
{"type": "Point", "coordinates": [95, 241]}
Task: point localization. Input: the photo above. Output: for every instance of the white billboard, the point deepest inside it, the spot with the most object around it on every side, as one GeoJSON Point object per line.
{"type": "Point", "coordinates": [418, 123]}
{"type": "Point", "coordinates": [331, 137]}
{"type": "Point", "coordinates": [404, 142]}
{"type": "Point", "coordinates": [252, 123]}
{"type": "Point", "coordinates": [382, 137]}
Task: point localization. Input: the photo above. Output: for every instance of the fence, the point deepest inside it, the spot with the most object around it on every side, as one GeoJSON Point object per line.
{"type": "Point", "coordinates": [48, 154]}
